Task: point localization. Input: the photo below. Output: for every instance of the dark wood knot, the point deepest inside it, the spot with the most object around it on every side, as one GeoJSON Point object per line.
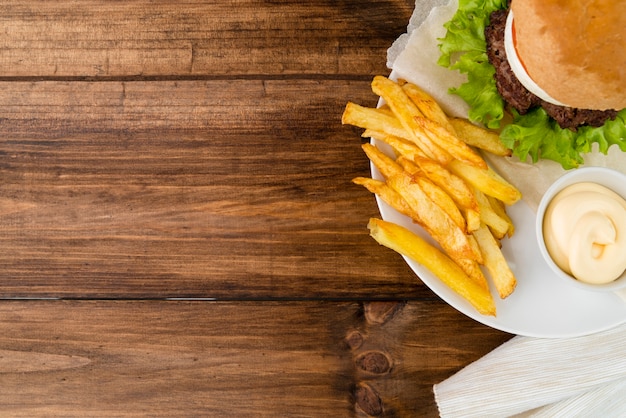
{"type": "Point", "coordinates": [383, 311]}
{"type": "Point", "coordinates": [368, 400]}
{"type": "Point", "coordinates": [354, 340]}
{"type": "Point", "coordinates": [374, 362]}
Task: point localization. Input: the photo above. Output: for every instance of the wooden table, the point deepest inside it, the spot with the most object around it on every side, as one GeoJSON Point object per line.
{"type": "Point", "coordinates": [179, 235]}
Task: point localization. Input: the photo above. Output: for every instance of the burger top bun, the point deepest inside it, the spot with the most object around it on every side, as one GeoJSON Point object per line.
{"type": "Point", "coordinates": [575, 50]}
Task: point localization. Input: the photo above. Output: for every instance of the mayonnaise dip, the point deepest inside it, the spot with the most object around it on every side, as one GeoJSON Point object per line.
{"type": "Point", "coordinates": [584, 230]}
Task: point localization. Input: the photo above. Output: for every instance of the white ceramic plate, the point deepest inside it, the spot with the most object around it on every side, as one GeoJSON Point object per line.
{"type": "Point", "coordinates": [542, 305]}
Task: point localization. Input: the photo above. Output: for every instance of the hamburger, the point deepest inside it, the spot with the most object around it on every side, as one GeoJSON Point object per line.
{"type": "Point", "coordinates": [550, 74]}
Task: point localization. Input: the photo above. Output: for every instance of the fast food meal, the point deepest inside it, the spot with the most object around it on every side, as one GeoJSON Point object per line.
{"type": "Point", "coordinates": [438, 178]}
{"type": "Point", "coordinates": [456, 55]}
{"type": "Point", "coordinates": [556, 68]}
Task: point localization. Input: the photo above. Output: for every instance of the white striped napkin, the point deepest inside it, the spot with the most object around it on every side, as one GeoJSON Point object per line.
{"type": "Point", "coordinates": [534, 377]}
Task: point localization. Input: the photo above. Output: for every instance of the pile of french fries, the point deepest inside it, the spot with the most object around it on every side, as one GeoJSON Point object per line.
{"type": "Point", "coordinates": [437, 178]}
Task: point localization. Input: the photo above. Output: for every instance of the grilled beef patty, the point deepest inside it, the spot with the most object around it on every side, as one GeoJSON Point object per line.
{"type": "Point", "coordinates": [518, 97]}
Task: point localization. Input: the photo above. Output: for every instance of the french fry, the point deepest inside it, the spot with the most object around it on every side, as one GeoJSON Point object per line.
{"type": "Point", "coordinates": [439, 180]}
{"type": "Point", "coordinates": [487, 181]}
{"type": "Point", "coordinates": [499, 226]}
{"type": "Point", "coordinates": [503, 278]}
{"type": "Point", "coordinates": [473, 271]}
{"type": "Point", "coordinates": [436, 193]}
{"type": "Point", "coordinates": [408, 165]}
{"type": "Point", "coordinates": [441, 199]}
{"type": "Point", "coordinates": [384, 108]}
{"type": "Point", "coordinates": [479, 137]}
{"type": "Point", "coordinates": [471, 239]}
{"type": "Point", "coordinates": [472, 218]}
{"type": "Point", "coordinates": [435, 220]}
{"type": "Point", "coordinates": [428, 106]}
{"type": "Point", "coordinates": [375, 119]}
{"type": "Point", "coordinates": [456, 187]}
{"type": "Point", "coordinates": [407, 113]}
{"type": "Point", "coordinates": [387, 166]}
{"type": "Point", "coordinates": [500, 210]}
{"type": "Point", "coordinates": [451, 143]}
{"type": "Point", "coordinates": [387, 194]}
{"type": "Point", "coordinates": [413, 246]}
{"type": "Point", "coordinates": [407, 149]}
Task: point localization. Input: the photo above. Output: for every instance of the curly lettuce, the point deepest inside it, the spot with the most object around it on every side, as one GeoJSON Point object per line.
{"type": "Point", "coordinates": [534, 134]}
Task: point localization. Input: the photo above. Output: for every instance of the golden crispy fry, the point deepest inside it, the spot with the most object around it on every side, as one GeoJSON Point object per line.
{"type": "Point", "coordinates": [411, 245]}
{"type": "Point", "coordinates": [452, 185]}
{"type": "Point", "coordinates": [474, 272]}
{"type": "Point", "coordinates": [387, 194]}
{"type": "Point", "coordinates": [434, 220]}
{"type": "Point", "coordinates": [441, 199]}
{"type": "Point", "coordinates": [488, 216]}
{"type": "Point", "coordinates": [487, 181]}
{"type": "Point", "coordinates": [387, 166]}
{"type": "Point", "coordinates": [451, 143]}
{"type": "Point", "coordinates": [479, 137]}
{"type": "Point", "coordinates": [456, 187]}
{"type": "Point", "coordinates": [500, 210]}
{"type": "Point", "coordinates": [406, 149]}
{"type": "Point", "coordinates": [499, 270]}
{"type": "Point", "coordinates": [440, 181]}
{"type": "Point", "coordinates": [472, 218]}
{"type": "Point", "coordinates": [441, 196]}
{"type": "Point", "coordinates": [408, 165]}
{"type": "Point", "coordinates": [428, 106]}
{"type": "Point", "coordinates": [475, 247]}
{"type": "Point", "coordinates": [384, 108]}
{"type": "Point", "coordinates": [375, 119]}
{"type": "Point", "coordinates": [369, 133]}
{"type": "Point", "coordinates": [407, 113]}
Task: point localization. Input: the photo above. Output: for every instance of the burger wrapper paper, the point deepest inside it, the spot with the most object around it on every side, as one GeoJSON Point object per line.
{"type": "Point", "coordinates": [527, 376]}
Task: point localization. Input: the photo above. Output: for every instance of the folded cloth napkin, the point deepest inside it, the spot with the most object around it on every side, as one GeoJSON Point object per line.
{"type": "Point", "coordinates": [538, 377]}
{"type": "Point", "coordinates": [527, 376]}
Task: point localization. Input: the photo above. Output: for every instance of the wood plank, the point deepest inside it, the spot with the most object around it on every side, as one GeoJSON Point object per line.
{"type": "Point", "coordinates": [140, 38]}
{"type": "Point", "coordinates": [115, 358]}
{"type": "Point", "coordinates": [188, 189]}
{"type": "Point", "coordinates": [193, 149]}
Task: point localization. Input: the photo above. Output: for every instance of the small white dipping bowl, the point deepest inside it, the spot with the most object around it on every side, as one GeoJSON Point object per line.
{"type": "Point", "coordinates": [606, 177]}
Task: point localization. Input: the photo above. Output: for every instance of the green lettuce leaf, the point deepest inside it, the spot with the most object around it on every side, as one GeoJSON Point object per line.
{"type": "Point", "coordinates": [464, 48]}
{"type": "Point", "coordinates": [534, 134]}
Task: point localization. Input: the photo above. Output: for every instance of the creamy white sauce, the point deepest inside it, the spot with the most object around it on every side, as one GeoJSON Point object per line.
{"type": "Point", "coordinates": [584, 229]}
{"type": "Point", "coordinates": [518, 68]}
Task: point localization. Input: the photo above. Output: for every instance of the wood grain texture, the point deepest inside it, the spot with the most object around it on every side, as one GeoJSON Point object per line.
{"type": "Point", "coordinates": [153, 151]}
{"type": "Point", "coordinates": [98, 38]}
{"type": "Point", "coordinates": [235, 359]}
{"type": "Point", "coordinates": [187, 189]}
